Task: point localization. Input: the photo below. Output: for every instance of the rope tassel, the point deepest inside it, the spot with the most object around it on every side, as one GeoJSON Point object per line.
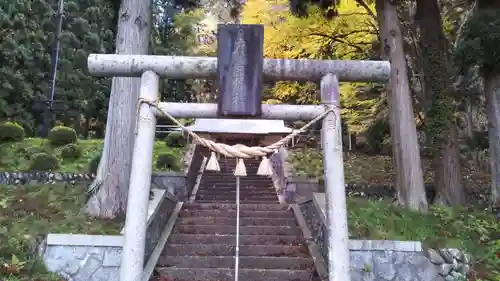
{"type": "Point", "coordinates": [213, 164]}
{"type": "Point", "coordinates": [240, 170]}
{"type": "Point", "coordinates": [265, 167]}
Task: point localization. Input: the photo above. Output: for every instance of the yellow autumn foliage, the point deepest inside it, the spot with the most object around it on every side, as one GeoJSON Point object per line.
{"type": "Point", "coordinates": [349, 35]}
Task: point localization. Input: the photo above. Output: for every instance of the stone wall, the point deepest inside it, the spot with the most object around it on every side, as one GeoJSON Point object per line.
{"type": "Point", "coordinates": [477, 195]}
{"type": "Point", "coordinates": [27, 178]}
{"type": "Point", "coordinates": [83, 257]}
{"type": "Point", "coordinates": [405, 261]}
{"type": "Point", "coordinates": [167, 180]}
{"type": "Point", "coordinates": [388, 260]}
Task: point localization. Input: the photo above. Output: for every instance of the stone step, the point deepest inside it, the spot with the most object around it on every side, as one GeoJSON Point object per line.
{"type": "Point", "coordinates": [232, 197]}
{"type": "Point", "coordinates": [248, 163]}
{"type": "Point", "coordinates": [232, 221]}
{"type": "Point", "coordinates": [229, 183]}
{"type": "Point", "coordinates": [225, 274]}
{"type": "Point", "coordinates": [247, 201]}
{"type": "Point", "coordinates": [229, 250]}
{"type": "Point", "coordinates": [230, 176]}
{"type": "Point", "coordinates": [229, 171]}
{"type": "Point", "coordinates": [229, 239]}
{"type": "Point", "coordinates": [231, 213]}
{"type": "Point", "coordinates": [232, 206]}
{"type": "Point", "coordinates": [292, 263]}
{"type": "Point", "coordinates": [244, 230]}
{"type": "Point", "coordinates": [225, 168]}
{"type": "Point", "coordinates": [233, 160]}
{"type": "Point", "coordinates": [225, 176]}
{"type": "Point", "coordinates": [232, 188]}
{"type": "Point", "coordinates": [251, 170]}
{"type": "Point", "coordinates": [232, 191]}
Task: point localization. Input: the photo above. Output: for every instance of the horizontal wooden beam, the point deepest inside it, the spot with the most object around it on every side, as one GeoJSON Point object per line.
{"type": "Point", "coordinates": [287, 112]}
{"type": "Point", "coordinates": [179, 67]}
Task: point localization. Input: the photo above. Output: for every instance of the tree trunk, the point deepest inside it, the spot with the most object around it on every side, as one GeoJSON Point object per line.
{"type": "Point", "coordinates": [110, 189]}
{"type": "Point", "coordinates": [440, 117]}
{"type": "Point", "coordinates": [470, 130]}
{"type": "Point", "coordinates": [492, 92]}
{"type": "Point", "coordinates": [468, 117]}
{"type": "Point", "coordinates": [86, 127]}
{"type": "Point", "coordinates": [406, 152]}
{"type": "Point", "coordinates": [449, 190]}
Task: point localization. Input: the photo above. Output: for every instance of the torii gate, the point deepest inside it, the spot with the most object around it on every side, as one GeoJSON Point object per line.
{"type": "Point", "coordinates": [240, 68]}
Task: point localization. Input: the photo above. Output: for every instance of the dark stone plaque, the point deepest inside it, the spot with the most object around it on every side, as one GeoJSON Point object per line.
{"type": "Point", "coordinates": [239, 61]}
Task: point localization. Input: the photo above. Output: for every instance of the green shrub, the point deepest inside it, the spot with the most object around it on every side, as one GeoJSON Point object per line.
{"type": "Point", "coordinates": [71, 151]}
{"type": "Point", "coordinates": [11, 132]}
{"type": "Point", "coordinates": [167, 161]}
{"type": "Point", "coordinates": [175, 139]}
{"type": "Point", "coordinates": [61, 135]}
{"type": "Point", "coordinates": [94, 164]}
{"type": "Point", "coordinates": [44, 162]}
{"type": "Point", "coordinates": [30, 152]}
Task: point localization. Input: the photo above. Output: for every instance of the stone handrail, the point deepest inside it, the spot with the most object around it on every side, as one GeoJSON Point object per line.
{"type": "Point", "coordinates": [193, 169]}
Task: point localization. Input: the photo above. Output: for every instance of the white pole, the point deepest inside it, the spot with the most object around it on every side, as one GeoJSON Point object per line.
{"type": "Point", "coordinates": [178, 67]}
{"type": "Point", "coordinates": [237, 252]}
{"type": "Point", "coordinates": [336, 207]}
{"type": "Point", "coordinates": [132, 263]}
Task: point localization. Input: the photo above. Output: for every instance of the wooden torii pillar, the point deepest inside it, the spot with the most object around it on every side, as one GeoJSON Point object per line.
{"type": "Point", "coordinates": [240, 97]}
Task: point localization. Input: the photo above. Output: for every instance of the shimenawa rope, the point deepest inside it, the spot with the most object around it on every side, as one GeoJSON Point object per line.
{"type": "Point", "coordinates": [238, 151]}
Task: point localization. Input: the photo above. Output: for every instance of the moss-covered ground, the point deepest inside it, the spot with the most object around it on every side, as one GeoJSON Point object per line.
{"type": "Point", "coordinates": [27, 214]}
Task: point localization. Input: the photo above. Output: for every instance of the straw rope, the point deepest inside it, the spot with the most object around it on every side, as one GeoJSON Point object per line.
{"type": "Point", "coordinates": [238, 150]}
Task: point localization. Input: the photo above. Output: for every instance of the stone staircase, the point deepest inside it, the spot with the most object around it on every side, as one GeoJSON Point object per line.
{"type": "Point", "coordinates": [202, 245]}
